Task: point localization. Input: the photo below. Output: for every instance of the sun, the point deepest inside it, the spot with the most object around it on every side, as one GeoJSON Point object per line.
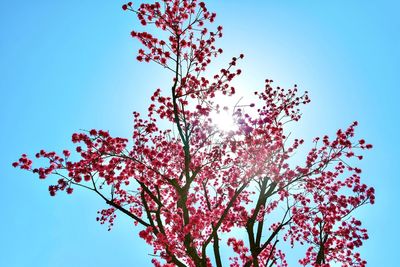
{"type": "Point", "coordinates": [223, 120]}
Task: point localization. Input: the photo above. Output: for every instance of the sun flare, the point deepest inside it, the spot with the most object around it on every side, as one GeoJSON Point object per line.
{"type": "Point", "coordinates": [224, 120]}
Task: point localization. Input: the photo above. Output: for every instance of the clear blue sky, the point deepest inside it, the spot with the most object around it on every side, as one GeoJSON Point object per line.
{"type": "Point", "coordinates": [69, 65]}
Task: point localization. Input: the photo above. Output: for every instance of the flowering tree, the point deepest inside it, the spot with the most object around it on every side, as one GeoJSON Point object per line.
{"type": "Point", "coordinates": [190, 185]}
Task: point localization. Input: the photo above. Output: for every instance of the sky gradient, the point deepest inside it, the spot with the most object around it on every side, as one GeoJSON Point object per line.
{"type": "Point", "coordinates": [70, 65]}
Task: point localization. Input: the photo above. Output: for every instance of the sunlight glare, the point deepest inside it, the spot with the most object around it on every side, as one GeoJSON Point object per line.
{"type": "Point", "coordinates": [224, 120]}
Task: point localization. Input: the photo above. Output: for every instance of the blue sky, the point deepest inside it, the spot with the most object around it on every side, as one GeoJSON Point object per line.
{"type": "Point", "coordinates": [69, 65]}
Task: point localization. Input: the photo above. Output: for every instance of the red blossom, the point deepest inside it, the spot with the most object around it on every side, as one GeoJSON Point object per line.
{"type": "Point", "coordinates": [189, 184]}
